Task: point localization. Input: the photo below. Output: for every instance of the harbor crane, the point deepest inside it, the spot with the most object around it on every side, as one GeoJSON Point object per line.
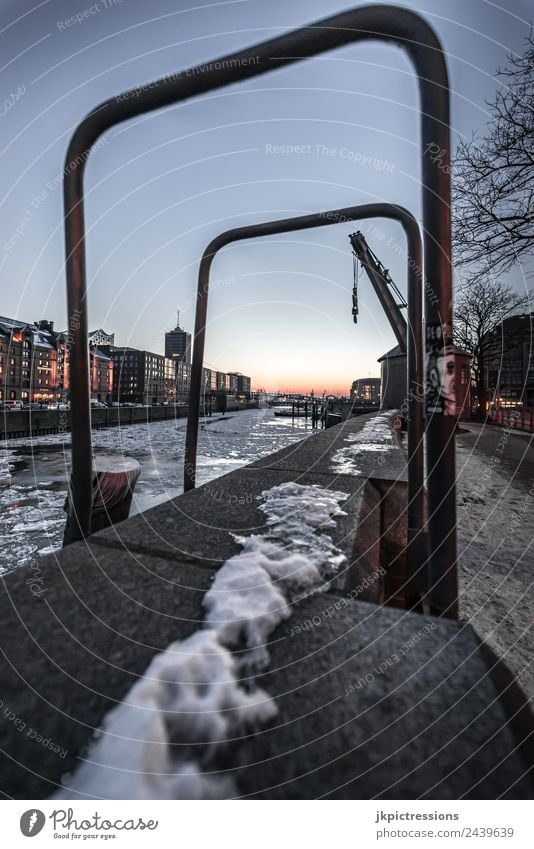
{"type": "Point", "coordinates": [389, 295]}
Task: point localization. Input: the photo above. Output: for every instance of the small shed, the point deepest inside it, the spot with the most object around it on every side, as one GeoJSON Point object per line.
{"type": "Point", "coordinates": [393, 383]}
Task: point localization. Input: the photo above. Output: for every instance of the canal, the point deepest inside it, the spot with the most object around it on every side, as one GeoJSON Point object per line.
{"type": "Point", "coordinates": [34, 472]}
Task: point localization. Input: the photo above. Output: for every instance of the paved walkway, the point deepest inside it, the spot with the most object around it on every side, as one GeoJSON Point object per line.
{"type": "Point", "coordinates": [373, 702]}
{"type": "Point", "coordinates": [496, 541]}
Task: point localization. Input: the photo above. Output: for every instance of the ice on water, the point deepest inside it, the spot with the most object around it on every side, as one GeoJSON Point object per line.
{"type": "Point", "coordinates": [33, 473]}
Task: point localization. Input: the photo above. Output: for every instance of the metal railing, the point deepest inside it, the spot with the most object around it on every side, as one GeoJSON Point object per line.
{"type": "Point", "coordinates": [416, 555]}
{"type": "Point", "coordinates": [391, 24]}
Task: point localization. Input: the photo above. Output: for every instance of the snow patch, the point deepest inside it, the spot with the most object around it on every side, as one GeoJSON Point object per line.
{"type": "Point", "coordinates": [252, 592]}
{"type": "Point", "coordinates": [43, 525]}
{"type": "Point", "coordinates": [375, 437]}
{"type": "Point", "coordinates": [189, 702]}
{"type": "Point", "coordinates": [189, 696]}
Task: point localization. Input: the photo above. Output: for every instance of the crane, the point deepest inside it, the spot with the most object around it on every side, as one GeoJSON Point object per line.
{"type": "Point", "coordinates": [389, 295]}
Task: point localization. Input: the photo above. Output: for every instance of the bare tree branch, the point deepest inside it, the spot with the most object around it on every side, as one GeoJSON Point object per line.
{"type": "Point", "coordinates": [493, 177]}
{"type": "Point", "coordinates": [480, 308]}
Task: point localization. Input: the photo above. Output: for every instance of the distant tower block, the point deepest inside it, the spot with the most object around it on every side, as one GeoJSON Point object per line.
{"type": "Point", "coordinates": [178, 343]}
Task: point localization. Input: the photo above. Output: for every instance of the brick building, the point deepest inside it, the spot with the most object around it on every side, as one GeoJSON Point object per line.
{"type": "Point", "coordinates": [141, 377]}
{"type": "Point", "coordinates": [34, 364]}
{"type": "Point", "coordinates": [28, 361]}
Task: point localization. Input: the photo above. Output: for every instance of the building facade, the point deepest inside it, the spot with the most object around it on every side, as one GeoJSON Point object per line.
{"type": "Point", "coordinates": [100, 337]}
{"type": "Point", "coordinates": [28, 361]}
{"type": "Point", "coordinates": [34, 364]}
{"type": "Point", "coordinates": [222, 381]}
{"type": "Point", "coordinates": [365, 390]}
{"type": "Point", "coordinates": [141, 377]}
{"type": "Point", "coordinates": [178, 344]}
{"type": "Point", "coordinates": [101, 370]}
{"type": "Point", "coordinates": [239, 383]}
{"type": "Point", "coordinates": [183, 380]}
{"type": "Point", "coordinates": [509, 363]}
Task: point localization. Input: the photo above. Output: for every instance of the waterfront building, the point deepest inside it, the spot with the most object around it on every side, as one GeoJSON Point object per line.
{"type": "Point", "coordinates": [222, 381]}
{"type": "Point", "coordinates": [509, 363]}
{"type": "Point", "coordinates": [100, 337]}
{"type": "Point", "coordinates": [239, 383]}
{"type": "Point", "coordinates": [35, 365]}
{"type": "Point", "coordinates": [28, 361]}
{"type": "Point", "coordinates": [141, 377]}
{"type": "Point", "coordinates": [101, 371]}
{"type": "Point", "coordinates": [365, 390]}
{"type": "Point", "coordinates": [183, 379]}
{"type": "Point", "coordinates": [232, 382]}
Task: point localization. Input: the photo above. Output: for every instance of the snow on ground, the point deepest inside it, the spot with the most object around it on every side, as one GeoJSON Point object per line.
{"type": "Point", "coordinates": [189, 701]}
{"type": "Point", "coordinates": [34, 472]}
{"type": "Point", "coordinates": [496, 558]}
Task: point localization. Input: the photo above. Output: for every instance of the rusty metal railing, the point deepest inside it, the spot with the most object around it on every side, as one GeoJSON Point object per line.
{"type": "Point", "coordinates": [390, 24]}
{"type": "Point", "coordinates": [416, 554]}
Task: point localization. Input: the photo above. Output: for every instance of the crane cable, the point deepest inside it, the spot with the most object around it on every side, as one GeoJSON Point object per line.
{"type": "Point", "coordinates": [355, 277]}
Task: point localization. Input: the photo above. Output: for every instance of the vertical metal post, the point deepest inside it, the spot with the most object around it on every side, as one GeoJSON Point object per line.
{"type": "Point", "coordinates": [81, 476]}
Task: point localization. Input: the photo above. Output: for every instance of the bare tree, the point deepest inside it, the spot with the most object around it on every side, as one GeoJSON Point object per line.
{"type": "Point", "coordinates": [494, 176]}
{"type": "Point", "coordinates": [480, 308]}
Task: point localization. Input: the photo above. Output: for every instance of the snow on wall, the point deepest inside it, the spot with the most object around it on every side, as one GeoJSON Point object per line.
{"type": "Point", "coordinates": [160, 741]}
{"type": "Point", "coordinates": [252, 591]}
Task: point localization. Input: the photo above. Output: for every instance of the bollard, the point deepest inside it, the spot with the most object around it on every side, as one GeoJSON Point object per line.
{"type": "Point", "coordinates": [114, 480]}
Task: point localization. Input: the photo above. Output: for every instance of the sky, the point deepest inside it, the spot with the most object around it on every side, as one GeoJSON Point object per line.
{"type": "Point", "coordinates": [334, 131]}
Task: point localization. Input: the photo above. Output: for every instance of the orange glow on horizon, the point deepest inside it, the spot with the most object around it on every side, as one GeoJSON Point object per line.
{"type": "Point", "coordinates": [302, 386]}
{"type": "Point", "coordinates": [304, 389]}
